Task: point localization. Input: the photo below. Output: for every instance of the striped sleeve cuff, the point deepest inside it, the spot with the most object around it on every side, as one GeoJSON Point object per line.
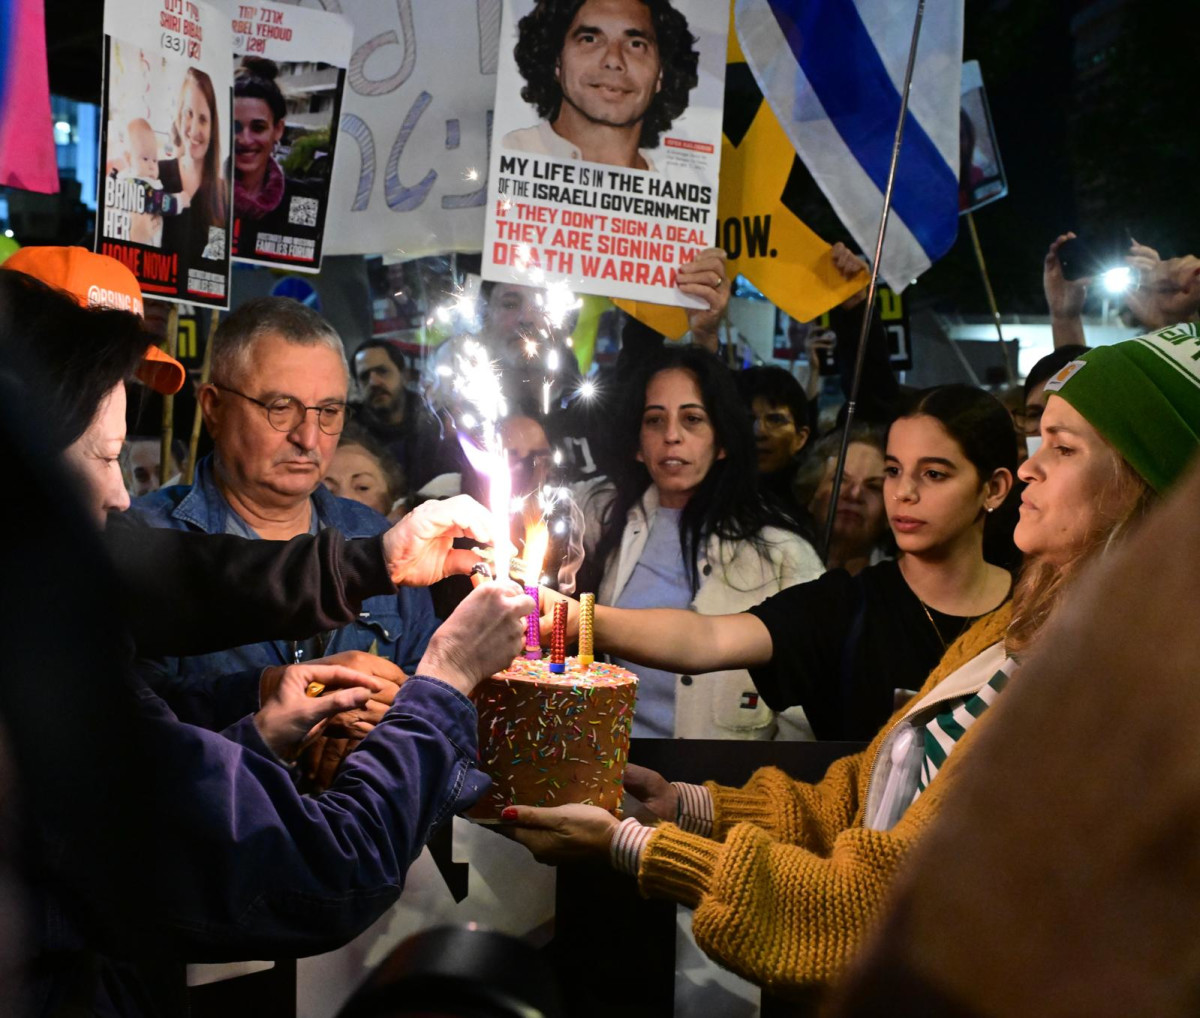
{"type": "Point", "coordinates": [627, 844]}
{"type": "Point", "coordinates": [695, 810]}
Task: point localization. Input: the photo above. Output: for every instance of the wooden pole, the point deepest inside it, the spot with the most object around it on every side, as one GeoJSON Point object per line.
{"type": "Point", "coordinates": [168, 408]}
{"type": "Point", "coordinates": [987, 286]}
{"type": "Point", "coordinates": [189, 473]}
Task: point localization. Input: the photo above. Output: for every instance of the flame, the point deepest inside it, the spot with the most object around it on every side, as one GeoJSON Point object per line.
{"type": "Point", "coordinates": [537, 541]}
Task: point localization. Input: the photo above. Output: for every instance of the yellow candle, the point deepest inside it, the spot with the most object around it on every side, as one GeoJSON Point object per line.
{"type": "Point", "coordinates": [587, 625]}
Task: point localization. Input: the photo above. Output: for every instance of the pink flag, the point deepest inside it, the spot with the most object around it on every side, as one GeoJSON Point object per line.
{"type": "Point", "coordinates": [26, 133]}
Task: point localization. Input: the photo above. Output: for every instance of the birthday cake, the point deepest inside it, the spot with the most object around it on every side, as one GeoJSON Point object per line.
{"type": "Point", "coordinates": [548, 739]}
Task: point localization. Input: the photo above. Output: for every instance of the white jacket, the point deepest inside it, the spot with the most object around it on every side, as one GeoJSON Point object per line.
{"type": "Point", "coordinates": [734, 576]}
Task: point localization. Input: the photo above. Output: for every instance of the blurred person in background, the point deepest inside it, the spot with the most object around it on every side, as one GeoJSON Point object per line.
{"type": "Point", "coordinates": [396, 415]}
{"type": "Point", "coordinates": [860, 532]}
{"type": "Point", "coordinates": [1160, 292]}
{"type": "Point", "coordinates": [779, 413]}
{"type": "Point", "coordinates": [362, 470]}
{"type": "Point", "coordinates": [141, 459]}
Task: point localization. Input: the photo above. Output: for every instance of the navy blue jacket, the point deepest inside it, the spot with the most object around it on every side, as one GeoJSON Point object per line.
{"type": "Point", "coordinates": [215, 690]}
{"type": "Point", "coordinates": [249, 867]}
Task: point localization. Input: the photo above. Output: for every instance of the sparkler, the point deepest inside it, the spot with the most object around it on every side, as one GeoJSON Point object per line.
{"type": "Point", "coordinates": [476, 382]}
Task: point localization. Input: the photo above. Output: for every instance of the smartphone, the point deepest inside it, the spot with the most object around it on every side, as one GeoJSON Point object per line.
{"type": "Point", "coordinates": [1078, 259]}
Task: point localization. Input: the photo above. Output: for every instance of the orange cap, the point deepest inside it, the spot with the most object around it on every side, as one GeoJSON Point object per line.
{"type": "Point", "coordinates": [96, 280]}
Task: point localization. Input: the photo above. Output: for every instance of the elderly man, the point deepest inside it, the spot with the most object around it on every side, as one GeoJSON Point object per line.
{"type": "Point", "coordinates": [275, 408]}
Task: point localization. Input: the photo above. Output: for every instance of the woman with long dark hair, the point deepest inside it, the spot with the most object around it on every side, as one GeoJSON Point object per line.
{"type": "Point", "coordinates": [681, 524]}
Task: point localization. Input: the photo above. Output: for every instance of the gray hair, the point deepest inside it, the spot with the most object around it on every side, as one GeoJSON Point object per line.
{"type": "Point", "coordinates": [236, 336]}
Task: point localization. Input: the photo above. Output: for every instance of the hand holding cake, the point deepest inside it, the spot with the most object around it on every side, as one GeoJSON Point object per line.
{"type": "Point", "coordinates": [653, 791]}
{"type": "Point", "coordinates": [571, 833]}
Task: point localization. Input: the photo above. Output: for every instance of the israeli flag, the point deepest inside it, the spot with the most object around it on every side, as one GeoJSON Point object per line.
{"type": "Point", "coordinates": [832, 72]}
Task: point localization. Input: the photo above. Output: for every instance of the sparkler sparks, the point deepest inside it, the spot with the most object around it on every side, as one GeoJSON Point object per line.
{"type": "Point", "coordinates": [478, 384]}
{"type": "Point", "coordinates": [559, 302]}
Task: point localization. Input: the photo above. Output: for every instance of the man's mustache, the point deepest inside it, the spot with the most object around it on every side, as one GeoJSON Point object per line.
{"type": "Point", "coordinates": [293, 455]}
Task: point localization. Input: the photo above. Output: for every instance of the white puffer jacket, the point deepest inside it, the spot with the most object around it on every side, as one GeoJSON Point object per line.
{"type": "Point", "coordinates": [734, 576]}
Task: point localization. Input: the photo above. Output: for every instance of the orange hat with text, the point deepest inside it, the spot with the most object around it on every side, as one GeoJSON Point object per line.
{"type": "Point", "coordinates": [96, 280]}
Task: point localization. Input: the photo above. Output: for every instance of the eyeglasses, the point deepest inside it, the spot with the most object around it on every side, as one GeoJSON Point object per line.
{"type": "Point", "coordinates": [287, 413]}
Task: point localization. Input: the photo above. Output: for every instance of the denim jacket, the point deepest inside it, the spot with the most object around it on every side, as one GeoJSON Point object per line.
{"type": "Point", "coordinates": [215, 690]}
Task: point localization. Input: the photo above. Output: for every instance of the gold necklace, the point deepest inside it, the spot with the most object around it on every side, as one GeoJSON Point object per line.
{"type": "Point", "coordinates": [936, 632]}
{"type": "Point", "coordinates": [965, 626]}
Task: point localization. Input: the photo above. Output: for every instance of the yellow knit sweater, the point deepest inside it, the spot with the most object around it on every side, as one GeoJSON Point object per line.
{"type": "Point", "coordinates": [785, 894]}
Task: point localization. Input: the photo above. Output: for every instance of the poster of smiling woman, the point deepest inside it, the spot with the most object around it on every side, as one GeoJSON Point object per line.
{"type": "Point", "coordinates": [289, 69]}
{"type": "Point", "coordinates": [606, 143]}
{"type": "Point", "coordinates": [165, 198]}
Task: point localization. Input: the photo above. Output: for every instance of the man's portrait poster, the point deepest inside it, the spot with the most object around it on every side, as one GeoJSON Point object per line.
{"type": "Point", "coordinates": [606, 143]}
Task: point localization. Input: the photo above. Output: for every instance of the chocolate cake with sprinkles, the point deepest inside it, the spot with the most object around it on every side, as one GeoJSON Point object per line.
{"type": "Point", "coordinates": [549, 739]}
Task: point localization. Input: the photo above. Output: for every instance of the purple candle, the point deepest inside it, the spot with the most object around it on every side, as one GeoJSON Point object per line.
{"type": "Point", "coordinates": [533, 639]}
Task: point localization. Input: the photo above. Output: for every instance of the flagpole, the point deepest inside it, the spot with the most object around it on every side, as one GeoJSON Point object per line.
{"type": "Point", "coordinates": [860, 354]}
{"type": "Point", "coordinates": [987, 286]}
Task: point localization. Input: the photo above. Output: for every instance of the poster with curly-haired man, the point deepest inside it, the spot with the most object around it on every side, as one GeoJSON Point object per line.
{"type": "Point", "coordinates": [607, 141]}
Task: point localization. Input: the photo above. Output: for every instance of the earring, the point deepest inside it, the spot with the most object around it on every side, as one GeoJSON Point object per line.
{"type": "Point", "coordinates": [990, 508]}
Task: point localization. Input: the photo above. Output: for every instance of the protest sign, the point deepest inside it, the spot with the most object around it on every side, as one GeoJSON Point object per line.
{"type": "Point", "coordinates": [289, 71]}
{"type": "Point", "coordinates": [606, 145]}
{"type": "Point", "coordinates": [416, 120]}
{"type": "Point", "coordinates": [165, 202]}
{"type": "Point", "coordinates": [981, 177]}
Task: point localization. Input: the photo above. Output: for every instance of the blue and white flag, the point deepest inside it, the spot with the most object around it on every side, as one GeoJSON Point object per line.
{"type": "Point", "coordinates": [832, 72]}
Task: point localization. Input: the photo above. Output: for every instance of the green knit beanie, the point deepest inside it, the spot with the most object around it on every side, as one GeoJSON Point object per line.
{"type": "Point", "coordinates": [1143, 397]}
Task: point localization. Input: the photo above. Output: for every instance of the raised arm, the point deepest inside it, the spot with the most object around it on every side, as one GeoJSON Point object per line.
{"type": "Point", "coordinates": [1064, 297]}
{"type": "Point", "coordinates": [669, 638]}
{"type": "Point", "coordinates": [189, 593]}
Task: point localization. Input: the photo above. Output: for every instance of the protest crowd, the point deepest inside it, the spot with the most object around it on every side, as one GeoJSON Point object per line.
{"type": "Point", "coordinates": [259, 708]}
